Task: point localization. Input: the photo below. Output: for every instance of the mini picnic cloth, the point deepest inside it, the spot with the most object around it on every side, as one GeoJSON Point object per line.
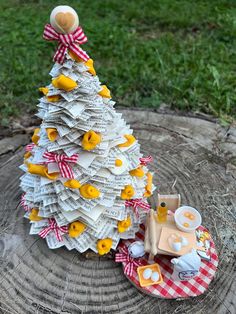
{"type": "Point", "coordinates": [170, 289]}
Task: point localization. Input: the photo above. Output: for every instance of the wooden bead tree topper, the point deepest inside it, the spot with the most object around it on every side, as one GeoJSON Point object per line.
{"type": "Point", "coordinates": [64, 19]}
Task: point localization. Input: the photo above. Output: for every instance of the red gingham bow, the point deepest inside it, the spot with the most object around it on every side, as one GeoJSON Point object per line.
{"type": "Point", "coordinates": [22, 203]}
{"type": "Point", "coordinates": [129, 261]}
{"type": "Point", "coordinates": [61, 160]}
{"type": "Point", "coordinates": [138, 202]}
{"type": "Point", "coordinates": [145, 160]}
{"type": "Point", "coordinates": [53, 226]}
{"type": "Point", "coordinates": [66, 41]}
{"type": "Point", "coordinates": [29, 147]}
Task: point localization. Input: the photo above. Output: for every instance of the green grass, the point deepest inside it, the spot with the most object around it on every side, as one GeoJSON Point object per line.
{"type": "Point", "coordinates": [182, 53]}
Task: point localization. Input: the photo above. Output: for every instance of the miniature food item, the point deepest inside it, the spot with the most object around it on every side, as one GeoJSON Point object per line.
{"type": "Point", "coordinates": [155, 276]}
{"type": "Point", "coordinates": [147, 273]}
{"type": "Point", "coordinates": [189, 215]}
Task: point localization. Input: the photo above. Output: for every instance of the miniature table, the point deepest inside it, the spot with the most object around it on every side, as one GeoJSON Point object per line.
{"type": "Point", "coordinates": [192, 157]}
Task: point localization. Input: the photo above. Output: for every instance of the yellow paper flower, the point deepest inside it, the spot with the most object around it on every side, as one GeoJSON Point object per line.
{"type": "Point", "coordinates": [35, 137]}
{"type": "Point", "coordinates": [90, 66]}
{"type": "Point", "coordinates": [148, 187]}
{"type": "Point", "coordinates": [127, 193]}
{"type": "Point", "coordinates": [44, 90]}
{"type": "Point", "coordinates": [105, 92]}
{"type": "Point", "coordinates": [72, 184]}
{"type": "Point", "coordinates": [89, 191]}
{"type": "Point", "coordinates": [53, 98]}
{"type": "Point", "coordinates": [124, 225]}
{"type": "Point", "coordinates": [64, 82]}
{"type": "Point", "coordinates": [41, 170]}
{"type": "Point", "coordinates": [138, 172]}
{"type": "Point", "coordinates": [33, 216]}
{"type": "Point", "coordinates": [130, 139]}
{"type": "Point", "coordinates": [76, 228]}
{"type": "Point", "coordinates": [52, 134]}
{"type": "Point", "coordinates": [104, 246]}
{"type": "Point", "coordinates": [90, 140]}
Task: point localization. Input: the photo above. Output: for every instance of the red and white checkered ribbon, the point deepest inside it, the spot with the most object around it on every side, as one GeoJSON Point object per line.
{"type": "Point", "coordinates": [22, 203]}
{"type": "Point", "coordinates": [66, 41]}
{"type": "Point", "coordinates": [62, 161]}
{"type": "Point", "coordinates": [145, 160]}
{"type": "Point", "coordinates": [53, 227]}
{"type": "Point", "coordinates": [136, 203]}
{"type": "Point", "coordinates": [129, 261]}
{"type": "Point", "coordinates": [29, 147]}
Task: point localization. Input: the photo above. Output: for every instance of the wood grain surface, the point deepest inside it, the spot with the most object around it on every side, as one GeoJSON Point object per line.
{"type": "Point", "coordinates": [193, 157]}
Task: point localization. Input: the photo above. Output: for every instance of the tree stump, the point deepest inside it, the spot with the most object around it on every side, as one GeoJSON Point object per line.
{"type": "Point", "coordinates": [193, 157]}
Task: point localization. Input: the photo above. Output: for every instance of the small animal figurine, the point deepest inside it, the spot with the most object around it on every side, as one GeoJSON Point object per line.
{"type": "Point", "coordinates": [186, 266]}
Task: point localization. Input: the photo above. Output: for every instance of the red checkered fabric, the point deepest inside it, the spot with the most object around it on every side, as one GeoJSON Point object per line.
{"type": "Point", "coordinates": [137, 203]}
{"type": "Point", "coordinates": [23, 203]}
{"type": "Point", "coordinates": [170, 289]}
{"type": "Point", "coordinates": [145, 160]}
{"type": "Point", "coordinates": [62, 160]}
{"type": "Point", "coordinates": [29, 147]}
{"type": "Point", "coordinates": [66, 41]}
{"type": "Point", "coordinates": [53, 227]}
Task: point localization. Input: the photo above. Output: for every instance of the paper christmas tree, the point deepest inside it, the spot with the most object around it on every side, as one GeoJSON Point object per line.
{"type": "Point", "coordinates": [86, 182]}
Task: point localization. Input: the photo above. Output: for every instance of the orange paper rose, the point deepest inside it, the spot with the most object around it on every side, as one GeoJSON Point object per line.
{"type": "Point", "coordinates": [138, 172]}
{"type": "Point", "coordinates": [44, 90]}
{"type": "Point", "coordinates": [90, 140]}
{"type": "Point", "coordinates": [89, 191]}
{"type": "Point", "coordinates": [52, 134]}
{"type": "Point", "coordinates": [72, 184]}
{"type": "Point", "coordinates": [104, 246]}
{"type": "Point", "coordinates": [124, 225]}
{"type": "Point", "coordinates": [33, 216]}
{"type": "Point", "coordinates": [105, 92]}
{"type": "Point", "coordinates": [130, 139]}
{"type": "Point", "coordinates": [35, 137]}
{"type": "Point", "coordinates": [76, 228]}
{"type": "Point", "coordinates": [90, 66]}
{"type": "Point", "coordinates": [53, 98]}
{"type": "Point", "coordinates": [148, 187]}
{"type": "Point", "coordinates": [27, 155]}
{"type": "Point", "coordinates": [42, 170]}
{"type": "Point", "coordinates": [127, 193]}
{"type": "Point", "coordinates": [64, 82]}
